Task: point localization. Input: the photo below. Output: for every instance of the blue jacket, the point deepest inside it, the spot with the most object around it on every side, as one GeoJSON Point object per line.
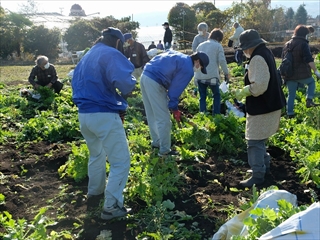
{"type": "Point", "coordinates": [173, 70]}
{"type": "Point", "coordinates": [97, 77]}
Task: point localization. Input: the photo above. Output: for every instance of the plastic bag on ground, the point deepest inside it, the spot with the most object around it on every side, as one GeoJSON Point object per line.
{"type": "Point", "coordinates": [235, 225]}
{"type": "Point", "coordinates": [300, 226]}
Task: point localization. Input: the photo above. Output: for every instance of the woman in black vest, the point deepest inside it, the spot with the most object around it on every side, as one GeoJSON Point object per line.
{"type": "Point", "coordinates": [264, 101]}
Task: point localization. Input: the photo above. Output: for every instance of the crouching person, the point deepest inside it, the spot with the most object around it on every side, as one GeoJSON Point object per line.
{"type": "Point", "coordinates": [44, 74]}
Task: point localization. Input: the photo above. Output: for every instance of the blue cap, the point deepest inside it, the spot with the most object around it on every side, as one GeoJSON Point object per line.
{"type": "Point", "coordinates": [204, 61]}
{"type": "Point", "coordinates": [127, 36]}
{"type": "Point", "coordinates": [114, 32]}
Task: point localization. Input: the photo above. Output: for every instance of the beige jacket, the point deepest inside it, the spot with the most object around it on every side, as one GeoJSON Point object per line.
{"type": "Point", "coordinates": [262, 126]}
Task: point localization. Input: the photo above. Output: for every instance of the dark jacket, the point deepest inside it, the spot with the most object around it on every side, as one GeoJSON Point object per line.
{"type": "Point", "coordinates": [301, 58]}
{"type": "Point", "coordinates": [152, 46]}
{"type": "Point", "coordinates": [167, 36]}
{"type": "Point", "coordinates": [273, 98]}
{"type": "Point", "coordinates": [137, 54]}
{"type": "Point", "coordinates": [43, 77]}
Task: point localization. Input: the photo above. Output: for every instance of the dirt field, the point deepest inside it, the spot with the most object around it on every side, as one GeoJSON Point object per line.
{"type": "Point", "coordinates": [25, 195]}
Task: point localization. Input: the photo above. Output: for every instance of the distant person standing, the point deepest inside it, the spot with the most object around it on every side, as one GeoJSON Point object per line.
{"type": "Point", "coordinates": [151, 46]}
{"type": "Point", "coordinates": [167, 39]}
{"type": "Point", "coordinates": [201, 36]}
{"type": "Point", "coordinates": [160, 45]}
{"type": "Point", "coordinates": [136, 53]}
{"type": "Point", "coordinates": [174, 46]}
{"type": "Point", "coordinates": [235, 38]}
{"type": "Point", "coordinates": [303, 63]}
{"type": "Point", "coordinates": [213, 48]}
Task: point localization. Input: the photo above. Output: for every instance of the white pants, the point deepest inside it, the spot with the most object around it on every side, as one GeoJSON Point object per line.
{"type": "Point", "coordinates": [155, 101]}
{"type": "Point", "coordinates": [105, 136]}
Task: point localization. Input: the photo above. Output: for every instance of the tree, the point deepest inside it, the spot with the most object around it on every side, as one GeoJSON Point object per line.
{"type": "Point", "coordinates": [81, 34]}
{"type": "Point", "coordinates": [42, 41]}
{"type": "Point", "coordinates": [301, 15]}
{"type": "Point", "coordinates": [183, 20]}
{"type": "Point", "coordinates": [30, 8]}
{"type": "Point", "coordinates": [202, 9]}
{"type": "Point", "coordinates": [289, 18]}
{"type": "Point", "coordinates": [12, 29]}
{"type": "Point", "coordinates": [6, 46]}
{"type": "Point", "coordinates": [217, 19]}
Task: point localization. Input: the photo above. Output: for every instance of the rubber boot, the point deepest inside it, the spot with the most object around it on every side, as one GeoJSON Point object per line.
{"type": "Point", "coordinates": [252, 181]}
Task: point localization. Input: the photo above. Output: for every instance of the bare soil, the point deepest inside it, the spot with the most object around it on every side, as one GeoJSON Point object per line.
{"type": "Point", "coordinates": [26, 193]}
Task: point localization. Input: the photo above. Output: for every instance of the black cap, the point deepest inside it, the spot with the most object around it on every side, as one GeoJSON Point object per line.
{"type": "Point", "coordinates": [165, 23]}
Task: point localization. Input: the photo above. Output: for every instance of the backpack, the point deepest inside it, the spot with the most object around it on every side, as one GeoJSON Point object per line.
{"type": "Point", "coordinates": [286, 66]}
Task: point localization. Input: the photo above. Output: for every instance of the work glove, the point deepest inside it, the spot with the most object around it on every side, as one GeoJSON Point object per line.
{"type": "Point", "coordinates": [177, 115]}
{"type": "Point", "coordinates": [241, 93]}
{"type": "Point", "coordinates": [317, 74]}
{"type": "Point", "coordinates": [167, 44]}
{"type": "Point", "coordinates": [122, 114]}
{"type": "Point", "coordinates": [226, 78]}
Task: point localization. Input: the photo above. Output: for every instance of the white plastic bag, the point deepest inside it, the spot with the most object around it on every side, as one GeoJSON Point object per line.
{"type": "Point", "coordinates": [300, 226]}
{"type": "Point", "coordinates": [224, 87]}
{"type": "Point", "coordinates": [234, 110]}
{"type": "Point", "coordinates": [235, 225]}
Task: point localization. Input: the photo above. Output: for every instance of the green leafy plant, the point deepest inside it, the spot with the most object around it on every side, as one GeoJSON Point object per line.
{"type": "Point", "coordinates": [161, 222]}
{"type": "Point", "coordinates": [21, 229]}
{"type": "Point", "coordinates": [77, 165]}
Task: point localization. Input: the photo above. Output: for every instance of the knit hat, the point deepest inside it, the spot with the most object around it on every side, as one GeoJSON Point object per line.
{"type": "Point", "coordinates": [249, 39]}
{"type": "Point", "coordinates": [127, 36]}
{"type": "Point", "coordinates": [114, 32]}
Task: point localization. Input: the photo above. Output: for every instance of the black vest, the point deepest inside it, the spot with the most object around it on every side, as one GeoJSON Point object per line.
{"type": "Point", "coordinates": [273, 98]}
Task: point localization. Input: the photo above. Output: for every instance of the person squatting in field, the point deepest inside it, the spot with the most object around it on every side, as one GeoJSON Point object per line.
{"type": "Point", "coordinates": [264, 101]}
{"type": "Point", "coordinates": [162, 81]}
{"type": "Point", "coordinates": [44, 74]}
{"type": "Point", "coordinates": [97, 77]}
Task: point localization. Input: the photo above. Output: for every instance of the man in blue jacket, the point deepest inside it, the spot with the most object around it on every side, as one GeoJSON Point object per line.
{"type": "Point", "coordinates": [162, 82]}
{"type": "Point", "coordinates": [98, 75]}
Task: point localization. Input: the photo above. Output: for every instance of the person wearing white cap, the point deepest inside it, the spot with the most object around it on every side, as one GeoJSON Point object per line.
{"type": "Point", "coordinates": [97, 78]}
{"type": "Point", "coordinates": [264, 101]}
{"type": "Point", "coordinates": [201, 36]}
{"type": "Point", "coordinates": [136, 53]}
{"type": "Point", "coordinates": [238, 55]}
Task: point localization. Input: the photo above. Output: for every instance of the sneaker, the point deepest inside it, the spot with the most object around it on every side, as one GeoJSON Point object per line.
{"type": "Point", "coordinates": [310, 103]}
{"type": "Point", "coordinates": [290, 116]}
{"type": "Point", "coordinates": [171, 153]}
{"type": "Point", "coordinates": [114, 212]}
{"type": "Point", "coordinates": [154, 147]}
